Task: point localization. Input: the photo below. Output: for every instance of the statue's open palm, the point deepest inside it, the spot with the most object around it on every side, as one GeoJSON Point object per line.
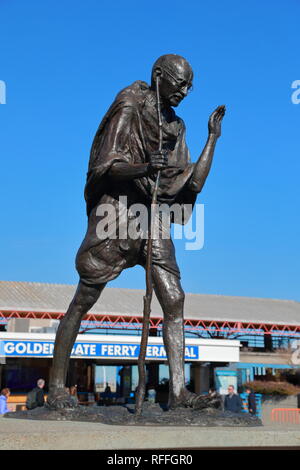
{"type": "Point", "coordinates": [214, 123]}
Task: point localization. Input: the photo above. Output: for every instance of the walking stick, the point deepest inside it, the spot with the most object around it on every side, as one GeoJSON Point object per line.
{"type": "Point", "coordinates": [149, 283]}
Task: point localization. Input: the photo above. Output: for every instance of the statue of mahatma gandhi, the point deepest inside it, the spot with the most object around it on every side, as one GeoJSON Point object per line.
{"type": "Point", "coordinates": [124, 161]}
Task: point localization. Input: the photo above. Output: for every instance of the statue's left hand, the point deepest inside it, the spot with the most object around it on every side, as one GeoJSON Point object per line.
{"type": "Point", "coordinates": [214, 123]}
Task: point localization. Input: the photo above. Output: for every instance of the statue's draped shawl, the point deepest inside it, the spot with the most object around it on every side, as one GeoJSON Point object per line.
{"type": "Point", "coordinates": [129, 133]}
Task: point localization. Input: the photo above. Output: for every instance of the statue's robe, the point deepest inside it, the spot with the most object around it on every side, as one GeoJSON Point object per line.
{"type": "Point", "coordinates": [129, 133]}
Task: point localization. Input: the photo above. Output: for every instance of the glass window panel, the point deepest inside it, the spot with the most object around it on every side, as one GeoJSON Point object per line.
{"type": "Point", "coordinates": [105, 376]}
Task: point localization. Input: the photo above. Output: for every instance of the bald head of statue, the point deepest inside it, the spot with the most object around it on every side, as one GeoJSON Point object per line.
{"type": "Point", "coordinates": [176, 78]}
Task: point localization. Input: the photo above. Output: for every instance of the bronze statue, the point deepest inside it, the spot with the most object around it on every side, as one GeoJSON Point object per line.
{"type": "Point", "coordinates": [124, 161]}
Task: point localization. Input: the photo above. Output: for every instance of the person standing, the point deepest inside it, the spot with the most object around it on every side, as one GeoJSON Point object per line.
{"type": "Point", "coordinates": [36, 396]}
{"type": "Point", "coordinates": [251, 401]}
{"type": "Point", "coordinates": [232, 401]}
{"type": "Point", "coordinates": [73, 395]}
{"type": "Point", "coordinates": [5, 392]}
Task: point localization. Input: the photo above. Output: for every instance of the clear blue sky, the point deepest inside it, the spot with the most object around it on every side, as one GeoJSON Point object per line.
{"type": "Point", "coordinates": [63, 63]}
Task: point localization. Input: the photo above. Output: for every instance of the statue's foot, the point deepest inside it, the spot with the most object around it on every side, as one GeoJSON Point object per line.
{"type": "Point", "coordinates": [188, 399]}
{"type": "Point", "coordinates": [59, 399]}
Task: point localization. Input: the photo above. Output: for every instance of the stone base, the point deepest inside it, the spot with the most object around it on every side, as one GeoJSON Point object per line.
{"type": "Point", "coordinates": [152, 414]}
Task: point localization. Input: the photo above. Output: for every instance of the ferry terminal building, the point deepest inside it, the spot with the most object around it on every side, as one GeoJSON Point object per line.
{"type": "Point", "coordinates": [229, 340]}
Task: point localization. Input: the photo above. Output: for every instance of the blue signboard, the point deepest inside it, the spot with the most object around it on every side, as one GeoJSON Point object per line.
{"type": "Point", "coordinates": [89, 350]}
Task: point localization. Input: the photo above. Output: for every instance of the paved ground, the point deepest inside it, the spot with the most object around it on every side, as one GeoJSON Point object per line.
{"type": "Point", "coordinates": [21, 434]}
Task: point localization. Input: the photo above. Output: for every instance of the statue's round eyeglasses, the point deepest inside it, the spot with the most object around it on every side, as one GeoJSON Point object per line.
{"type": "Point", "coordinates": [181, 84]}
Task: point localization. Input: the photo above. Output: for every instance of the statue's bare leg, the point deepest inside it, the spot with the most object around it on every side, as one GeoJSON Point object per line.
{"type": "Point", "coordinates": [84, 299]}
{"type": "Point", "coordinates": [171, 298]}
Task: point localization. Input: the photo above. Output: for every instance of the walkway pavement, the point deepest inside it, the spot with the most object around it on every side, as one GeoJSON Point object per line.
{"type": "Point", "coordinates": [19, 434]}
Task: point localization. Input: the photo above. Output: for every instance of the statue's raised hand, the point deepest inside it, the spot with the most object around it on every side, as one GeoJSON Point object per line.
{"type": "Point", "coordinates": [214, 123]}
